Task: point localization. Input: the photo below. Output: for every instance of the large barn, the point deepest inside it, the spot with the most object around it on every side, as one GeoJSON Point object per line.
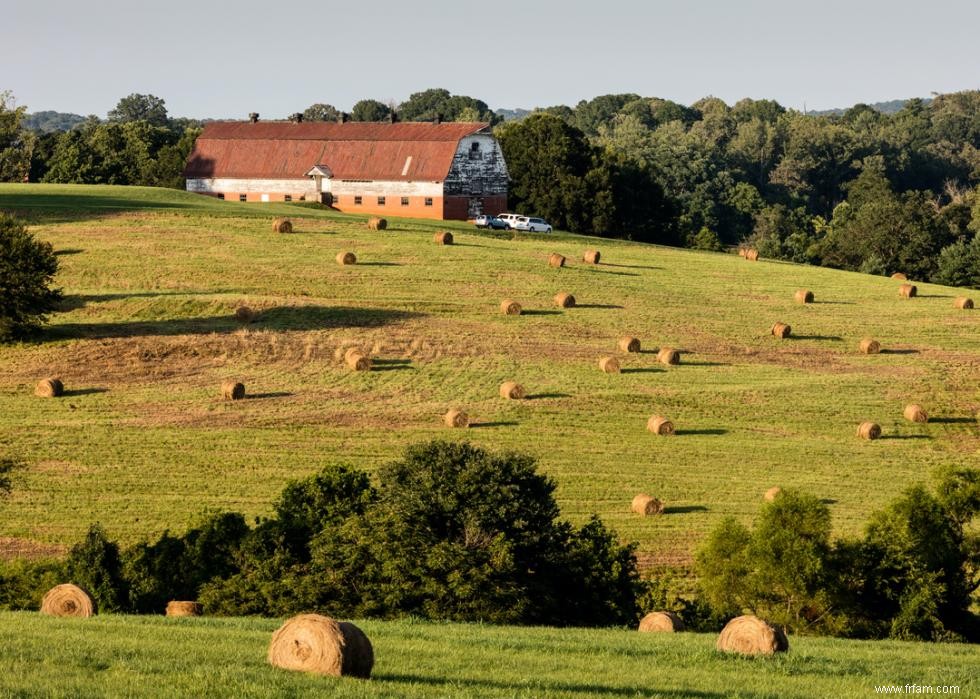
{"type": "Point", "coordinates": [417, 169]}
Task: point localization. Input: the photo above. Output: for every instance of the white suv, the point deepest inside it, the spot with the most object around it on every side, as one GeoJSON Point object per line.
{"type": "Point", "coordinates": [509, 219]}
{"type": "Point", "coordinates": [526, 223]}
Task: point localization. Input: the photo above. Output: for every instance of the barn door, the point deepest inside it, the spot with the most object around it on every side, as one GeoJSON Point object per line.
{"type": "Point", "coordinates": [475, 208]}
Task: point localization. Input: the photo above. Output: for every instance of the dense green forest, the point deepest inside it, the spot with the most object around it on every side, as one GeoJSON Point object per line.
{"type": "Point", "coordinates": [861, 190]}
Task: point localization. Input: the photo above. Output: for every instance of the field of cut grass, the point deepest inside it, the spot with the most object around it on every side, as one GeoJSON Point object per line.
{"type": "Point", "coordinates": [161, 657]}
{"type": "Point", "coordinates": [142, 442]}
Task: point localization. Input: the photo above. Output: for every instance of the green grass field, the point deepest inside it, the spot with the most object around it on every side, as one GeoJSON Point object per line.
{"type": "Point", "coordinates": [161, 657]}
{"type": "Point", "coordinates": [142, 442]}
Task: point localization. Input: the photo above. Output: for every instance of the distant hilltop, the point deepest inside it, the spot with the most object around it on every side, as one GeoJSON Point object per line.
{"type": "Point", "coordinates": [889, 107]}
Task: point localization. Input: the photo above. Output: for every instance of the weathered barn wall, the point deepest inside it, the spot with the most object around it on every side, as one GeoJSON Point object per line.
{"type": "Point", "coordinates": [275, 190]}
{"type": "Point", "coordinates": [478, 172]}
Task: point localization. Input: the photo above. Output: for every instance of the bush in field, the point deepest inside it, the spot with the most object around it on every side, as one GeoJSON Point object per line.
{"type": "Point", "coordinates": [27, 268]}
{"type": "Point", "coordinates": [24, 582]}
{"type": "Point", "coordinates": [96, 566]}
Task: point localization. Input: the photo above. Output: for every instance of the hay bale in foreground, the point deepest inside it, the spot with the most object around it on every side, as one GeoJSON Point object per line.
{"type": "Point", "coordinates": [609, 365]}
{"type": "Point", "coordinates": [356, 360]}
{"type": "Point", "coordinates": [660, 425]}
{"type": "Point", "coordinates": [282, 225]}
{"type": "Point", "coordinates": [773, 493]}
{"type": "Point", "coordinates": [182, 608]}
{"type": "Point", "coordinates": [661, 622]}
{"type": "Point", "coordinates": [456, 418]}
{"type": "Point", "coordinates": [244, 314]}
{"type": "Point", "coordinates": [751, 254]}
{"type": "Point", "coordinates": [741, 252]}
{"type": "Point", "coordinates": [232, 390]}
{"type": "Point", "coordinates": [963, 302]}
{"type": "Point", "coordinates": [563, 300]}
{"type": "Point", "coordinates": [803, 296]}
{"type": "Point", "coordinates": [346, 258]}
{"type": "Point", "coordinates": [869, 430]}
{"type": "Point", "coordinates": [377, 224]}
{"type": "Point", "coordinates": [899, 275]}
{"type": "Point", "coordinates": [628, 343]}
{"type": "Point", "coordinates": [443, 238]}
{"type": "Point", "coordinates": [645, 505]}
{"type": "Point", "coordinates": [591, 257]}
{"type": "Point", "coordinates": [67, 600]}
{"type": "Point", "coordinates": [870, 346]}
{"type": "Point", "coordinates": [750, 635]}
{"type": "Point", "coordinates": [915, 413]}
{"type": "Point", "coordinates": [668, 355]}
{"type": "Point", "coordinates": [512, 390]}
{"type": "Point", "coordinates": [556, 260]}
{"type": "Point", "coordinates": [510, 307]}
{"type": "Point", "coordinates": [781, 330]}
{"type": "Point", "coordinates": [908, 291]}
{"type": "Point", "coordinates": [49, 388]}
{"type": "Point", "coordinates": [319, 644]}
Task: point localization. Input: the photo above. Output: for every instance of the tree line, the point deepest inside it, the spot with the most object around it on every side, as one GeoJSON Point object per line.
{"type": "Point", "coordinates": [860, 190]}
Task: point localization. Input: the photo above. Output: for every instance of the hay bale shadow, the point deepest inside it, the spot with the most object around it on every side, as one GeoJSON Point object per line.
{"type": "Point", "coordinates": [833, 303]}
{"type": "Point", "coordinates": [707, 432]}
{"type": "Point", "coordinates": [391, 364]}
{"type": "Point", "coordinates": [954, 420]}
{"type": "Point", "coordinates": [542, 396]}
{"type": "Point", "coordinates": [269, 394]}
{"type": "Point", "coordinates": [642, 370]}
{"type": "Point", "coordinates": [828, 501]}
{"type": "Point", "coordinates": [905, 436]}
{"type": "Point", "coordinates": [498, 423]}
{"type": "Point", "coordinates": [379, 264]}
{"type": "Point", "coordinates": [899, 351]}
{"type": "Point", "coordinates": [829, 338]}
{"type": "Point", "coordinates": [685, 362]}
{"type": "Point", "coordinates": [934, 296]}
{"type": "Point", "coordinates": [68, 251]}
{"type": "Point", "coordinates": [617, 264]}
{"type": "Point", "coordinates": [597, 305]}
{"type": "Point", "coordinates": [538, 312]}
{"type": "Point", "coordinates": [84, 391]}
{"type": "Point", "coordinates": [618, 274]}
{"type": "Point", "coordinates": [684, 509]}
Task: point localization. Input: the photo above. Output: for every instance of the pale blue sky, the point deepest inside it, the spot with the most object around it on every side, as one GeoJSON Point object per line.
{"type": "Point", "coordinates": [279, 56]}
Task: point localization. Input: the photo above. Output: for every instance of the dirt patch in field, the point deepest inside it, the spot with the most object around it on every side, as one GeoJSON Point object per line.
{"type": "Point", "coordinates": [59, 468]}
{"type": "Point", "coordinates": [12, 548]}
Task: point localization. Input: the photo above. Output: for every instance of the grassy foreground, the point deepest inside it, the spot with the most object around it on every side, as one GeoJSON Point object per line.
{"type": "Point", "coordinates": [160, 657]}
{"type": "Point", "coordinates": [142, 441]}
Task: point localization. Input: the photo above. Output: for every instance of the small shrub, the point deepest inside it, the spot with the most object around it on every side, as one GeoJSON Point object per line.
{"type": "Point", "coordinates": [27, 269]}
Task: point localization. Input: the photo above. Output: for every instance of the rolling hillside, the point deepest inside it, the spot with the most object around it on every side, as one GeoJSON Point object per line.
{"type": "Point", "coordinates": [142, 441]}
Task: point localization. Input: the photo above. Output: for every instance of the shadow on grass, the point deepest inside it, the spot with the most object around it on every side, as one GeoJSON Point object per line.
{"type": "Point", "coordinates": [642, 370]}
{"type": "Point", "coordinates": [616, 264]}
{"type": "Point", "coordinates": [597, 305]}
{"type": "Point", "coordinates": [905, 436]}
{"type": "Point", "coordinates": [684, 509]}
{"type": "Point", "coordinates": [711, 431]}
{"type": "Point", "coordinates": [69, 251]}
{"type": "Point", "coordinates": [831, 338]}
{"type": "Point", "coordinates": [279, 318]}
{"type": "Point", "coordinates": [954, 420]}
{"type": "Point", "coordinates": [899, 351]}
{"type": "Point", "coordinates": [391, 364]}
{"type": "Point", "coordinates": [68, 393]}
{"type": "Point", "coordinates": [539, 312]}
{"type": "Point", "coordinates": [269, 394]}
{"type": "Point", "coordinates": [550, 687]}
{"type": "Point", "coordinates": [686, 362]}
{"type": "Point", "coordinates": [934, 296]}
{"type": "Point", "coordinates": [498, 423]}
{"type": "Point", "coordinates": [828, 501]}
{"type": "Point", "coordinates": [541, 396]}
{"type": "Point", "coordinates": [72, 302]}
{"type": "Point", "coordinates": [609, 271]}
{"type": "Point", "coordinates": [834, 303]}
{"type": "Point", "coordinates": [379, 264]}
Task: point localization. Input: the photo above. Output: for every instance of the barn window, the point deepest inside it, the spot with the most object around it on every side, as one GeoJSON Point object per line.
{"type": "Point", "coordinates": [475, 153]}
{"type": "Point", "coordinates": [357, 200]}
{"type": "Point", "coordinates": [404, 201]}
{"type": "Point", "coordinates": [428, 201]}
{"type": "Point", "coordinates": [242, 197]}
{"type": "Point", "coordinates": [288, 197]}
{"type": "Point", "coordinates": [381, 201]}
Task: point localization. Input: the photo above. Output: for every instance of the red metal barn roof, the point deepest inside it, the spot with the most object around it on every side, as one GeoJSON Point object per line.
{"type": "Point", "coordinates": [352, 150]}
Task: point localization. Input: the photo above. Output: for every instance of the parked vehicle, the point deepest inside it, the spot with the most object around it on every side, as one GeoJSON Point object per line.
{"type": "Point", "coordinates": [509, 219]}
{"type": "Point", "coordinates": [528, 223]}
{"type": "Point", "coordinates": [487, 221]}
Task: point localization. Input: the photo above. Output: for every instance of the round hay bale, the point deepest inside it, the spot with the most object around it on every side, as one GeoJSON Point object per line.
{"type": "Point", "coordinates": [609, 365]}
{"type": "Point", "coordinates": [781, 330]}
{"type": "Point", "coordinates": [661, 622]}
{"type": "Point", "coordinates": [282, 225]}
{"type": "Point", "coordinates": [963, 302]}
{"type": "Point", "coordinates": [67, 600]}
{"type": "Point", "coordinates": [244, 314]}
{"type": "Point", "coordinates": [346, 258]}
{"type": "Point", "coordinates": [899, 275]}
{"type": "Point", "coordinates": [319, 644]}
{"type": "Point", "coordinates": [751, 254]}
{"type": "Point", "coordinates": [907, 291]}
{"type": "Point", "coordinates": [870, 346]}
{"type": "Point", "coordinates": [377, 224]}
{"type": "Point", "coordinates": [869, 430]}
{"type": "Point", "coordinates": [175, 608]}
{"type": "Point", "coordinates": [803, 296]}
{"type": "Point", "coordinates": [510, 308]}
{"type": "Point", "coordinates": [645, 505]}
{"type": "Point", "coordinates": [357, 361]}
{"type": "Point", "coordinates": [512, 390]}
{"type": "Point", "coordinates": [773, 493]}
{"type": "Point", "coordinates": [915, 413]}
{"type": "Point", "coordinates": [563, 300]}
{"type": "Point", "coordinates": [668, 355]}
{"type": "Point", "coordinates": [443, 238]}
{"type": "Point", "coordinates": [456, 418]}
{"type": "Point", "coordinates": [591, 257]}
{"type": "Point", "coordinates": [232, 390]}
{"type": "Point", "coordinates": [660, 425]}
{"type": "Point", "coordinates": [49, 388]}
{"type": "Point", "coordinates": [556, 260]}
{"type": "Point", "coordinates": [741, 252]}
{"type": "Point", "coordinates": [750, 635]}
{"type": "Point", "coordinates": [628, 343]}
